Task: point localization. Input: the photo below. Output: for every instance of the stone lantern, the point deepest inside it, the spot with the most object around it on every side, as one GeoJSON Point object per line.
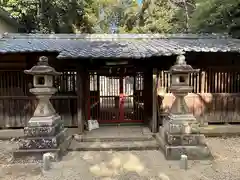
{"type": "Point", "coordinates": [180, 73]}
{"type": "Point", "coordinates": [45, 130]}
{"type": "Point", "coordinates": [180, 131]}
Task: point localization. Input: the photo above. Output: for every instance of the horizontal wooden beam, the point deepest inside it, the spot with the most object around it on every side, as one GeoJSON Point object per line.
{"type": "Point", "coordinates": [33, 97]}
{"type": "Point", "coordinates": [12, 64]}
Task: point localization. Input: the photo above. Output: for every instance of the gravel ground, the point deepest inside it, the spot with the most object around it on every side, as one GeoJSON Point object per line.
{"type": "Point", "coordinates": [134, 165]}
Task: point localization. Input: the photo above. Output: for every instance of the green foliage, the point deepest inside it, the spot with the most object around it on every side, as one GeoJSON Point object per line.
{"type": "Point", "coordinates": [158, 17]}
{"type": "Point", "coordinates": [216, 16]}
{"type": "Point", "coordinates": [154, 16]}
{"type": "Point", "coordinates": [182, 15]}
{"type": "Point", "coordinates": [118, 14]}
{"type": "Point", "coordinates": [126, 16]}
{"type": "Point", "coordinates": [53, 16]}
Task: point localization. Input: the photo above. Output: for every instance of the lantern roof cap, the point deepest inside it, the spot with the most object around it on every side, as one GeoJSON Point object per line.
{"type": "Point", "coordinates": [42, 68]}
{"type": "Point", "coordinates": [181, 66]}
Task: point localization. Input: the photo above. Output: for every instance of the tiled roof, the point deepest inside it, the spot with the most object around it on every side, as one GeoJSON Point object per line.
{"type": "Point", "coordinates": [113, 45]}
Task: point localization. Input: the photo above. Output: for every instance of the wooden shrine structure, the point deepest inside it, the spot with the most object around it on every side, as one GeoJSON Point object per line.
{"type": "Point", "coordinates": [120, 78]}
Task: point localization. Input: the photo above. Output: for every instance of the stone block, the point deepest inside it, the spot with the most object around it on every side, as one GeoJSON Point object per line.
{"type": "Point", "coordinates": [193, 139]}
{"type": "Point", "coordinates": [173, 139]}
{"type": "Point", "coordinates": [195, 128]}
{"type": "Point", "coordinates": [193, 152]}
{"type": "Point", "coordinates": [183, 127]}
{"type": "Point", "coordinates": [44, 121]}
{"type": "Point", "coordinates": [174, 152]}
{"type": "Point", "coordinates": [43, 131]}
{"type": "Point", "coordinates": [37, 154]}
{"type": "Point", "coordinates": [43, 142]}
{"type": "Point", "coordinates": [185, 139]}
{"type": "Point", "coordinates": [179, 118]}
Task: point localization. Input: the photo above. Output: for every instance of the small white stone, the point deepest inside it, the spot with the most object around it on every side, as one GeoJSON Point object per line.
{"type": "Point", "coordinates": [184, 162]}
{"type": "Point", "coordinates": [47, 157]}
{"type": "Point", "coordinates": [187, 129]}
{"type": "Point", "coordinates": [163, 176]}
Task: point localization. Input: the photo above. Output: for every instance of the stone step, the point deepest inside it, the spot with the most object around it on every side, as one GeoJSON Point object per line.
{"type": "Point", "coordinates": [85, 138]}
{"type": "Point", "coordinates": [113, 145]}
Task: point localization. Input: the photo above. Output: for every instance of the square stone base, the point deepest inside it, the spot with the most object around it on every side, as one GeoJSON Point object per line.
{"type": "Point", "coordinates": [184, 139]}
{"type": "Point", "coordinates": [42, 135]}
{"type": "Point", "coordinates": [181, 124]}
{"type": "Point", "coordinates": [174, 152]}
{"type": "Point", "coordinates": [37, 121]}
{"type": "Point", "coordinates": [37, 154]}
{"type": "Point", "coordinates": [44, 126]}
{"type": "Point", "coordinates": [45, 142]}
{"type": "Point", "coordinates": [31, 131]}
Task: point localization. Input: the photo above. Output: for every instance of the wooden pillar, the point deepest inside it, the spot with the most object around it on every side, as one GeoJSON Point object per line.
{"type": "Point", "coordinates": [81, 115]}
{"type": "Point", "coordinates": [154, 102]}
{"type": "Point", "coordinates": [148, 101]}
{"type": "Point", "coordinates": [87, 95]}
{"type": "Point", "coordinates": [145, 84]}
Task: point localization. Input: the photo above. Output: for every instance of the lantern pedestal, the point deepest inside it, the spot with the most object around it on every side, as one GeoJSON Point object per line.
{"type": "Point", "coordinates": [180, 135]}
{"type": "Point", "coordinates": [42, 135]}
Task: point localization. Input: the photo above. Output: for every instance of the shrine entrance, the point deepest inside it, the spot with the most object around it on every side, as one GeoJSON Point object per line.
{"type": "Point", "coordinates": [116, 96]}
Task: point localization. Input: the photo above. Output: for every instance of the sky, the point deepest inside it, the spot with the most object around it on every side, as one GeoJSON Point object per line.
{"type": "Point", "coordinates": [139, 1]}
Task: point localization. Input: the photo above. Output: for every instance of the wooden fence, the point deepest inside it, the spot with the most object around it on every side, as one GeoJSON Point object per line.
{"type": "Point", "coordinates": [215, 97]}
{"type": "Point", "coordinates": [17, 104]}
{"type": "Point", "coordinates": [211, 80]}
{"type": "Point", "coordinates": [16, 111]}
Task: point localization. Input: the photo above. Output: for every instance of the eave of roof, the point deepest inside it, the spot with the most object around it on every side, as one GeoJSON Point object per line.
{"type": "Point", "coordinates": [113, 37]}
{"type": "Point", "coordinates": [117, 45]}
